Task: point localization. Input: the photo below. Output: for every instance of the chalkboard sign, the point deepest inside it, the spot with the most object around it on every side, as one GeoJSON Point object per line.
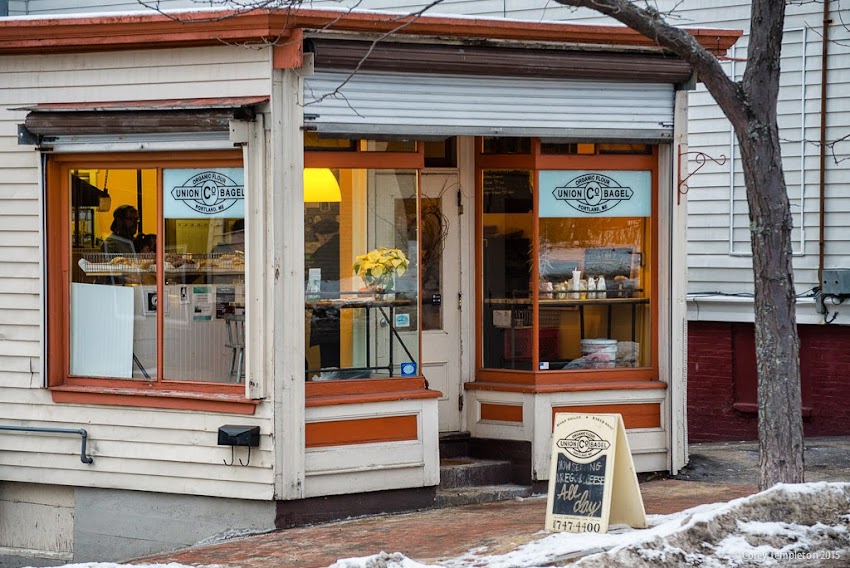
{"type": "Point", "coordinates": [592, 479]}
{"type": "Point", "coordinates": [507, 191]}
{"type": "Point", "coordinates": [579, 487]}
{"type": "Point", "coordinates": [608, 262]}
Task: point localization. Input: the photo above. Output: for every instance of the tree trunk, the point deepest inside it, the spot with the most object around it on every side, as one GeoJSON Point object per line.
{"type": "Point", "coordinates": [777, 345]}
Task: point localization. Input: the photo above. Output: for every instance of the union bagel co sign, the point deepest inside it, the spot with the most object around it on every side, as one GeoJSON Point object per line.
{"type": "Point", "coordinates": [204, 193]}
{"type": "Point", "coordinates": [565, 193]}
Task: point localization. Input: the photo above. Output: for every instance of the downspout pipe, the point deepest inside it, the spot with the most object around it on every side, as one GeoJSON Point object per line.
{"type": "Point", "coordinates": [822, 157]}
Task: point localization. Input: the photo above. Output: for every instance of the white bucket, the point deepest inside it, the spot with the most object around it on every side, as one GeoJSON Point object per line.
{"type": "Point", "coordinates": [600, 353]}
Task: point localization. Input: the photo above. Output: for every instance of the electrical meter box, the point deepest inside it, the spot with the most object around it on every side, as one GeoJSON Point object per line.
{"type": "Point", "coordinates": [836, 281]}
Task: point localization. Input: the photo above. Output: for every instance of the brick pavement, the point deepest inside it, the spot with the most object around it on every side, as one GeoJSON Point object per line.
{"type": "Point", "coordinates": [431, 535]}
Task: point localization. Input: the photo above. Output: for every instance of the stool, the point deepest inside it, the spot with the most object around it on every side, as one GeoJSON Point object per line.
{"type": "Point", "coordinates": [235, 324]}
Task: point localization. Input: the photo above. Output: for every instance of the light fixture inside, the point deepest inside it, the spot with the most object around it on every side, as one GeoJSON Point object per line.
{"type": "Point", "coordinates": [320, 186]}
{"type": "Point", "coordinates": [104, 202]}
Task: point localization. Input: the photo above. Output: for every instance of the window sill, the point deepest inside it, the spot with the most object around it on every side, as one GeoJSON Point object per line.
{"type": "Point", "coordinates": [146, 398]}
{"type": "Point", "coordinates": [355, 391]}
{"type": "Point", "coordinates": [566, 387]}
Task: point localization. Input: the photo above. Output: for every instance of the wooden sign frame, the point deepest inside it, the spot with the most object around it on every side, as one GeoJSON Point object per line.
{"type": "Point", "coordinates": [592, 479]}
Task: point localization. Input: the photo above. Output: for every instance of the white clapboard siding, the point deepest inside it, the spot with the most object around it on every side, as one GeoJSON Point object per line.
{"type": "Point", "coordinates": [134, 448]}
{"type": "Point", "coordinates": [48, 7]}
{"type": "Point", "coordinates": [88, 476]}
{"type": "Point", "coordinates": [710, 266]}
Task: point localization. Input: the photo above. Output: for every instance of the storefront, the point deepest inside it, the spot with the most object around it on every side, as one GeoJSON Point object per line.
{"type": "Point", "coordinates": [357, 247]}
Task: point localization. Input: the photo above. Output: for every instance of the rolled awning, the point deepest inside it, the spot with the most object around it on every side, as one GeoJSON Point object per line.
{"type": "Point", "coordinates": [139, 117]}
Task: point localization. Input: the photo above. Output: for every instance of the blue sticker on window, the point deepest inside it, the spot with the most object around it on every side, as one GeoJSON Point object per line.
{"type": "Point", "coordinates": [408, 369]}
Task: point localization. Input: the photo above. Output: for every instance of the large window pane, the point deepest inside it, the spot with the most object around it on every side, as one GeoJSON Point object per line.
{"type": "Point", "coordinates": [508, 227]}
{"type": "Point", "coordinates": [128, 282]}
{"type": "Point", "coordinates": [112, 332]}
{"type": "Point", "coordinates": [362, 324]}
{"type": "Point", "coordinates": [204, 267]}
{"type": "Point", "coordinates": [593, 265]}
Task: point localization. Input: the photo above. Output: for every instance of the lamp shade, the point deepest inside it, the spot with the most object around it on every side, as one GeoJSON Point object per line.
{"type": "Point", "coordinates": [320, 186]}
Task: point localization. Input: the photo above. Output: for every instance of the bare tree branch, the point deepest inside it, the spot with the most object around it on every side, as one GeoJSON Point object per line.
{"type": "Point", "coordinates": [650, 22]}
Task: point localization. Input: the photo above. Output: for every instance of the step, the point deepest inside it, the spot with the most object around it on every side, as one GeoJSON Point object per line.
{"type": "Point", "coordinates": [454, 444]}
{"type": "Point", "coordinates": [458, 496]}
{"type": "Point", "coordinates": [469, 472]}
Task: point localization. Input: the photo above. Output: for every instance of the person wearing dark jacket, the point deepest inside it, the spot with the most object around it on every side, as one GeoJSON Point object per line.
{"type": "Point", "coordinates": [324, 322]}
{"type": "Point", "coordinates": [125, 222]}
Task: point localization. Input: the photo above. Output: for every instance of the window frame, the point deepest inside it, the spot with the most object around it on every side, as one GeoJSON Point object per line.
{"type": "Point", "coordinates": [536, 162]}
{"type": "Point", "coordinates": [373, 389]}
{"type": "Point", "coordinates": [152, 392]}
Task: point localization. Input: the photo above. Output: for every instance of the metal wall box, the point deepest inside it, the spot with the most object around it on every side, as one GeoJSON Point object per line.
{"type": "Point", "coordinates": [236, 435]}
{"type": "Point", "coordinates": [836, 281]}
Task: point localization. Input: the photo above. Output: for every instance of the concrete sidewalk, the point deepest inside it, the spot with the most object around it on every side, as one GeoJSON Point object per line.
{"type": "Point", "coordinates": [717, 472]}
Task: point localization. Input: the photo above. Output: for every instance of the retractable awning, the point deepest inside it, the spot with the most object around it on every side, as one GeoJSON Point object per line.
{"type": "Point", "coordinates": [139, 117]}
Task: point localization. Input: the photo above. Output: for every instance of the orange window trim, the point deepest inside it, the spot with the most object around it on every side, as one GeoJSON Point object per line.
{"type": "Point", "coordinates": [175, 400]}
{"type": "Point", "coordinates": [644, 415]}
{"type": "Point", "coordinates": [566, 387]}
{"type": "Point", "coordinates": [332, 393]}
{"type": "Point", "coordinates": [361, 431]}
{"type": "Point", "coordinates": [501, 412]}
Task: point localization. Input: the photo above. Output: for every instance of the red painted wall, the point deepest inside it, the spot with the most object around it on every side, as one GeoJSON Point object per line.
{"type": "Point", "coordinates": [722, 381]}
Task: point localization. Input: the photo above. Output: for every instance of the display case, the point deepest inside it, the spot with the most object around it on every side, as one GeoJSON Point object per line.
{"type": "Point", "coordinates": [177, 267]}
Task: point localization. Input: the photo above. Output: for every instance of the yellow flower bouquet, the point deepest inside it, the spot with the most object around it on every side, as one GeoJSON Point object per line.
{"type": "Point", "coordinates": [377, 267]}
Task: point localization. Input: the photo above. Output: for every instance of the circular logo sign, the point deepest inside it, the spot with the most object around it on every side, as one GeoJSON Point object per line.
{"type": "Point", "coordinates": [592, 193]}
{"type": "Point", "coordinates": [209, 192]}
{"type": "Point", "coordinates": [583, 444]}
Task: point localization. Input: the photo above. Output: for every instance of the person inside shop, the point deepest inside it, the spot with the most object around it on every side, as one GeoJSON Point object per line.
{"type": "Point", "coordinates": [125, 222]}
{"type": "Point", "coordinates": [145, 243]}
{"type": "Point", "coordinates": [324, 322]}
{"type": "Point", "coordinates": [236, 239]}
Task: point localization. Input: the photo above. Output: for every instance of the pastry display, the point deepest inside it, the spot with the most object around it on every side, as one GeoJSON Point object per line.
{"type": "Point", "coordinates": [174, 262]}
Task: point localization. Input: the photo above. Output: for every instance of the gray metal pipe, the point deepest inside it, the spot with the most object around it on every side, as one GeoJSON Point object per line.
{"type": "Point", "coordinates": [83, 457]}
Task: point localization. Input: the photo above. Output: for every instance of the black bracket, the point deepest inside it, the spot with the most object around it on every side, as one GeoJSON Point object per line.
{"type": "Point", "coordinates": [701, 158]}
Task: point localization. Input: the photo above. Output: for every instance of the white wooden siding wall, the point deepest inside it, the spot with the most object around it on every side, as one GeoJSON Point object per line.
{"type": "Point", "coordinates": [142, 449]}
{"type": "Point", "coordinates": [719, 256]}
{"type": "Point", "coordinates": [49, 7]}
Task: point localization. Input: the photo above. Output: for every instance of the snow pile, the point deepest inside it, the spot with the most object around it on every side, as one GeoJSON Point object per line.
{"type": "Point", "coordinates": [787, 525]}
{"type": "Point", "coordinates": [382, 560]}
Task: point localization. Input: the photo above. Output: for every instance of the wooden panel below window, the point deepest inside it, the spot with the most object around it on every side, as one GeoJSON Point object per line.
{"type": "Point", "coordinates": [644, 415]}
{"type": "Point", "coordinates": [361, 431]}
{"type": "Point", "coordinates": [501, 412]}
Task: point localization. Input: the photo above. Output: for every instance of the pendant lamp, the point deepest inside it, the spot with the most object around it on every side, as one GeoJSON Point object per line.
{"type": "Point", "coordinates": [320, 186]}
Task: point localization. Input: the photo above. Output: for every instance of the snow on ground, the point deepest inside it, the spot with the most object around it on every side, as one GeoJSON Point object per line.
{"type": "Point", "coordinates": [788, 525]}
